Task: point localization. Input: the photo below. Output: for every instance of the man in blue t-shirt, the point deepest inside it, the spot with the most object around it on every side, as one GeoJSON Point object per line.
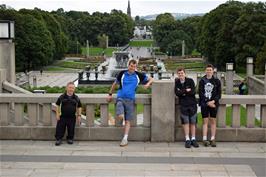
{"type": "Point", "coordinates": [128, 81]}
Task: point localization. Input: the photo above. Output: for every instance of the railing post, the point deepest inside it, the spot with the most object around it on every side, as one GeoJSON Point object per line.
{"type": "Point", "coordinates": [133, 123]}
{"type": "Point", "coordinates": [163, 111]}
{"type": "Point", "coordinates": [47, 114]}
{"type": "Point", "coordinates": [19, 119]}
{"type": "Point", "coordinates": [4, 110]}
{"type": "Point", "coordinates": [33, 113]}
{"type": "Point", "coordinates": [147, 115]}
{"type": "Point", "coordinates": [222, 116]}
{"type": "Point", "coordinates": [250, 115]}
{"type": "Point", "coordinates": [236, 115]}
{"type": "Point", "coordinates": [104, 115]}
{"type": "Point", "coordinates": [90, 115]}
{"type": "Point", "coordinates": [263, 116]}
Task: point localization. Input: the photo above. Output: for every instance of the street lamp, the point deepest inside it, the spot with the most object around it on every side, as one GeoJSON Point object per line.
{"type": "Point", "coordinates": [249, 60]}
{"type": "Point", "coordinates": [7, 29]}
{"type": "Point", "coordinates": [229, 66]}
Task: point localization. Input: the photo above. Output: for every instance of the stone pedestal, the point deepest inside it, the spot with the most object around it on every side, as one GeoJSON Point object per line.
{"type": "Point", "coordinates": [229, 79]}
{"type": "Point", "coordinates": [163, 111]}
{"type": "Point", "coordinates": [7, 59]}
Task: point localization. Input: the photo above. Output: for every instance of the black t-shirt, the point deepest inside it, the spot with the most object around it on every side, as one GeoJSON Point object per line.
{"type": "Point", "coordinates": [209, 89]}
{"type": "Point", "coordinates": [68, 105]}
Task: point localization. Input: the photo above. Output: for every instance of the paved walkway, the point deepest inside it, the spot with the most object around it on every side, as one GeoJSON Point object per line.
{"type": "Point", "coordinates": [90, 158]}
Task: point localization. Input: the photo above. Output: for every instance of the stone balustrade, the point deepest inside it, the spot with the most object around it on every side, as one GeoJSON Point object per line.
{"type": "Point", "coordinates": [31, 116]}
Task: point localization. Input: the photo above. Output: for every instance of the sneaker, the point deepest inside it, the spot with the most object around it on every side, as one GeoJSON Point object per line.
{"type": "Point", "coordinates": [206, 143]}
{"type": "Point", "coordinates": [58, 142]}
{"type": "Point", "coordinates": [69, 141]}
{"type": "Point", "coordinates": [213, 143]}
{"type": "Point", "coordinates": [194, 143]}
{"type": "Point", "coordinates": [188, 144]}
{"type": "Point", "coordinates": [124, 142]}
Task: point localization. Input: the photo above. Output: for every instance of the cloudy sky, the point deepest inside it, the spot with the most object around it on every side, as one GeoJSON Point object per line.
{"type": "Point", "coordinates": [138, 7]}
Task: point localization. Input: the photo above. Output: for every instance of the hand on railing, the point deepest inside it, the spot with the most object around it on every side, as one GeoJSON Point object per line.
{"type": "Point", "coordinates": [109, 98]}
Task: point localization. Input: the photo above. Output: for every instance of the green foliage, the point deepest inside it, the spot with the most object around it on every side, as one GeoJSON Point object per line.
{"type": "Point", "coordinates": [142, 43]}
{"type": "Point", "coordinates": [42, 37]}
{"type": "Point", "coordinates": [169, 33]}
{"type": "Point", "coordinates": [232, 32]}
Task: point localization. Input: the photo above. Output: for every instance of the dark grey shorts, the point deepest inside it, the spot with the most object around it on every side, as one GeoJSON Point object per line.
{"type": "Point", "coordinates": [188, 114]}
{"type": "Point", "coordinates": [125, 107]}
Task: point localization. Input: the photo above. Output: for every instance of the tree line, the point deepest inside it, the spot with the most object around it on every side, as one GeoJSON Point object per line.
{"type": "Point", "coordinates": [230, 33]}
{"type": "Point", "coordinates": [42, 37]}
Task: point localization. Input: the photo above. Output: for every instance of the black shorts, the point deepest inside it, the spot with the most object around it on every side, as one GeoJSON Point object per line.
{"type": "Point", "coordinates": [207, 112]}
{"type": "Point", "coordinates": [188, 114]}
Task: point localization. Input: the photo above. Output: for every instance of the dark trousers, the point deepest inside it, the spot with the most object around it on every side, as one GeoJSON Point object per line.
{"type": "Point", "coordinates": [61, 128]}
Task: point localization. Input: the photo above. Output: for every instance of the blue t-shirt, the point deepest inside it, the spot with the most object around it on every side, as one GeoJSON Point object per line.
{"type": "Point", "coordinates": [128, 83]}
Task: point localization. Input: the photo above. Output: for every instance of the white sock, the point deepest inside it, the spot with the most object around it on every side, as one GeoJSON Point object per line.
{"type": "Point", "coordinates": [204, 138]}
{"type": "Point", "coordinates": [212, 138]}
{"type": "Point", "coordinates": [187, 137]}
{"type": "Point", "coordinates": [125, 137]}
{"type": "Point", "coordinates": [193, 138]}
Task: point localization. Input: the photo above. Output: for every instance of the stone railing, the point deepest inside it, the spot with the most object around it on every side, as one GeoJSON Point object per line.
{"type": "Point", "coordinates": [31, 116]}
{"type": "Point", "coordinates": [255, 86]}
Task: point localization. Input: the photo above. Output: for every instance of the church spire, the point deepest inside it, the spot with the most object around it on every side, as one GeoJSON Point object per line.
{"type": "Point", "coordinates": [128, 9]}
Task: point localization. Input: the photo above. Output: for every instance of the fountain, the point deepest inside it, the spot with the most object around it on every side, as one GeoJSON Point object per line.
{"type": "Point", "coordinates": [110, 69]}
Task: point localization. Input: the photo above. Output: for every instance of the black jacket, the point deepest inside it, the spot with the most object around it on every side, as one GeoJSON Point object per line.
{"type": "Point", "coordinates": [209, 89]}
{"type": "Point", "coordinates": [185, 98]}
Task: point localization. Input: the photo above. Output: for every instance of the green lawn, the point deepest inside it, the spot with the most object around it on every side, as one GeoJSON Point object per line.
{"type": "Point", "coordinates": [96, 51]}
{"type": "Point", "coordinates": [141, 43]}
{"type": "Point", "coordinates": [243, 117]}
{"type": "Point", "coordinates": [72, 64]}
{"type": "Point", "coordinates": [192, 65]}
{"type": "Point", "coordinates": [55, 68]}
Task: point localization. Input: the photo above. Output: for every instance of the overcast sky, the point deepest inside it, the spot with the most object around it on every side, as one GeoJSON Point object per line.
{"type": "Point", "coordinates": [138, 7]}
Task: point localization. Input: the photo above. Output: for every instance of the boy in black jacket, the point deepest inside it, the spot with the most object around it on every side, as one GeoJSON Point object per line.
{"type": "Point", "coordinates": [209, 94]}
{"type": "Point", "coordinates": [185, 90]}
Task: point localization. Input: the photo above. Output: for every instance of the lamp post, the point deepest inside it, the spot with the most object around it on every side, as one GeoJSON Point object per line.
{"type": "Point", "coordinates": [265, 79]}
{"type": "Point", "coordinates": [229, 78]}
{"type": "Point", "coordinates": [7, 52]}
{"type": "Point", "coordinates": [249, 66]}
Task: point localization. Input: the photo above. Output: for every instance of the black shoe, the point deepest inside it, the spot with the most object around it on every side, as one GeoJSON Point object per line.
{"type": "Point", "coordinates": [213, 143]}
{"type": "Point", "coordinates": [70, 141]}
{"type": "Point", "coordinates": [58, 142]}
{"type": "Point", "coordinates": [194, 143]}
{"type": "Point", "coordinates": [188, 144]}
{"type": "Point", "coordinates": [206, 143]}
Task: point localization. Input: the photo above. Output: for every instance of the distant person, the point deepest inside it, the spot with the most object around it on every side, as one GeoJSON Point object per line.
{"type": "Point", "coordinates": [209, 96]}
{"type": "Point", "coordinates": [128, 81]}
{"type": "Point", "coordinates": [185, 90]}
{"type": "Point", "coordinates": [67, 113]}
{"type": "Point", "coordinates": [243, 87]}
{"type": "Point", "coordinates": [41, 71]}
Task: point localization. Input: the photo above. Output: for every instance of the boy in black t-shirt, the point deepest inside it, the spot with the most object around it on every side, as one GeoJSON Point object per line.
{"type": "Point", "coordinates": [209, 96]}
{"type": "Point", "coordinates": [68, 104]}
